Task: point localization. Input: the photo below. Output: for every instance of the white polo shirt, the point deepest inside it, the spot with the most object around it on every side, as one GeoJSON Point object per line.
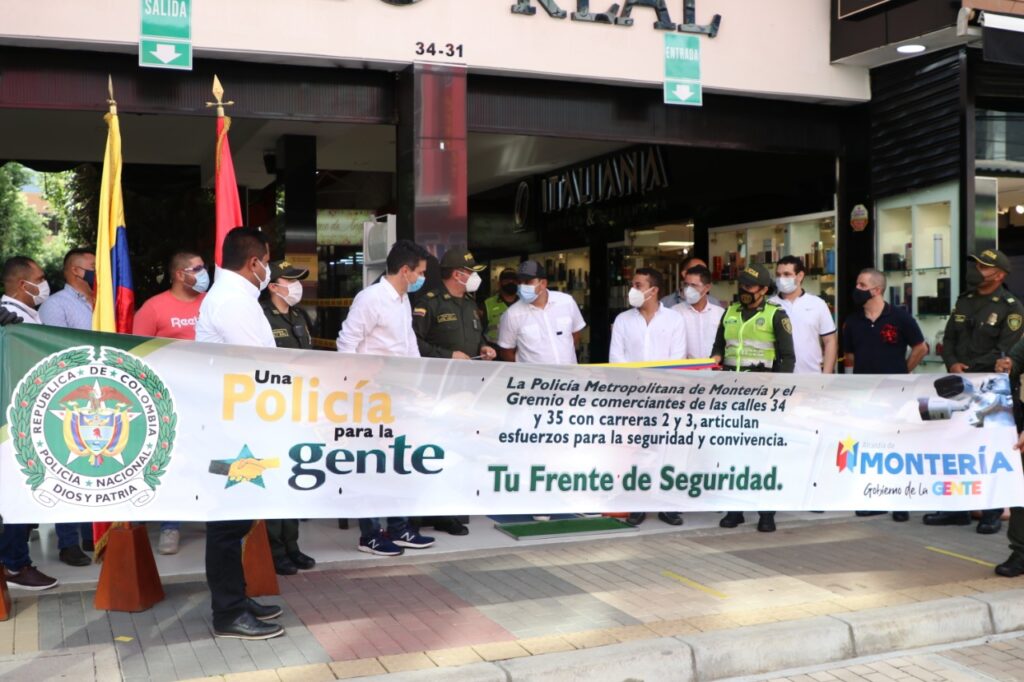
{"type": "Point", "coordinates": [542, 335]}
{"type": "Point", "coordinates": [28, 315]}
{"type": "Point", "coordinates": [811, 320]}
{"type": "Point", "coordinates": [701, 327]}
{"type": "Point", "coordinates": [379, 323]}
{"type": "Point", "coordinates": [636, 340]}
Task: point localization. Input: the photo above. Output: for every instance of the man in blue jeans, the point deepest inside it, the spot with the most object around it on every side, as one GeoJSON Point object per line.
{"type": "Point", "coordinates": [379, 322]}
{"type": "Point", "coordinates": [17, 564]}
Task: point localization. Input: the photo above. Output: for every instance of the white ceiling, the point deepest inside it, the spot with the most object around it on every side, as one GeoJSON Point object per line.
{"type": "Point", "coordinates": [75, 136]}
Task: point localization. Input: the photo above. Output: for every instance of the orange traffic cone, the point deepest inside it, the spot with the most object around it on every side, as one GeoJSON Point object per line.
{"type": "Point", "coordinates": [260, 576]}
{"type": "Point", "coordinates": [129, 580]}
{"type": "Point", "coordinates": [5, 599]}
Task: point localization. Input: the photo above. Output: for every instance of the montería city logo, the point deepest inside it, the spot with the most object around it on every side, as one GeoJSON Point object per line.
{"type": "Point", "coordinates": [877, 460]}
{"type": "Point", "coordinates": [92, 427]}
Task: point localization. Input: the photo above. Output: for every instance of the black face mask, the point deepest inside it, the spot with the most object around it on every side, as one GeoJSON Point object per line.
{"type": "Point", "coordinates": [974, 278]}
{"type": "Point", "coordinates": [860, 297]}
{"type": "Point", "coordinates": [509, 289]}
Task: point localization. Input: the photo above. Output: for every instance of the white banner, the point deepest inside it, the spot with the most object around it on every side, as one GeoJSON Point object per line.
{"type": "Point", "coordinates": [107, 427]}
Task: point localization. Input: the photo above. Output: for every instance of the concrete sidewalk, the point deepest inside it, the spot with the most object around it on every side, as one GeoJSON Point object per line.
{"type": "Point", "coordinates": [423, 612]}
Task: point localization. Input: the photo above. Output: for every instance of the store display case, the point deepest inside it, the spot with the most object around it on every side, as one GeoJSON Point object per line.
{"type": "Point", "coordinates": [915, 245]}
{"type": "Point", "coordinates": [811, 237]}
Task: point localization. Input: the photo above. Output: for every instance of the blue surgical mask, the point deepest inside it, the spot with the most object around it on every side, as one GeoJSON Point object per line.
{"type": "Point", "coordinates": [528, 292]}
{"type": "Point", "coordinates": [90, 278]}
{"type": "Point", "coordinates": [202, 283]}
{"type": "Point", "coordinates": [417, 285]}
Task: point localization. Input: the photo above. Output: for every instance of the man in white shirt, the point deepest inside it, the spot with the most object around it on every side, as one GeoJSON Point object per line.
{"type": "Point", "coordinates": [676, 298]}
{"type": "Point", "coordinates": [231, 313]}
{"type": "Point", "coordinates": [26, 288]}
{"type": "Point", "coordinates": [814, 329]}
{"type": "Point", "coordinates": [647, 332]}
{"type": "Point", "coordinates": [379, 322]}
{"type": "Point", "coordinates": [700, 316]}
{"type": "Point", "coordinates": [542, 327]}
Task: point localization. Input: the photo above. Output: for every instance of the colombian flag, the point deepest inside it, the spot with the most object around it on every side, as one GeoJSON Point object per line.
{"type": "Point", "coordinates": [115, 298]}
{"type": "Point", "coordinates": [229, 210]}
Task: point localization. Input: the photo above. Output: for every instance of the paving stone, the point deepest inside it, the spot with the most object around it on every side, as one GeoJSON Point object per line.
{"type": "Point", "coordinates": [344, 670]}
{"type": "Point", "coordinates": [318, 672]}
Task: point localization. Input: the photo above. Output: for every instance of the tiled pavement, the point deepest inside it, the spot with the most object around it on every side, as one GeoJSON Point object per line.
{"type": "Point", "coordinates": [422, 611]}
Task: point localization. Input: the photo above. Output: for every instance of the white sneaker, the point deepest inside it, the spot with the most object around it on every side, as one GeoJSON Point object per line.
{"type": "Point", "coordinates": [169, 541]}
{"type": "Point", "coordinates": [542, 517]}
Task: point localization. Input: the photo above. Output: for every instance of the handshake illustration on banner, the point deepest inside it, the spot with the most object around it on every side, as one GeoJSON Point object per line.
{"type": "Point", "coordinates": [956, 393]}
{"type": "Point", "coordinates": [244, 469]}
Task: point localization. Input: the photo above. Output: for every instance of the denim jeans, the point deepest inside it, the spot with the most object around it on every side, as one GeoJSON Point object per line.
{"type": "Point", "coordinates": [71, 534]}
{"type": "Point", "coordinates": [170, 525]}
{"type": "Point", "coordinates": [370, 527]}
{"type": "Point", "coordinates": [14, 547]}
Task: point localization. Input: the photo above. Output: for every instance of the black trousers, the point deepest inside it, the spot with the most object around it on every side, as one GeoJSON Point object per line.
{"type": "Point", "coordinates": [284, 537]}
{"type": "Point", "coordinates": [224, 573]}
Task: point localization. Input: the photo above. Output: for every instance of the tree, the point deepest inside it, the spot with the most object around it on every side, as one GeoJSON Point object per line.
{"type": "Point", "coordinates": [22, 231]}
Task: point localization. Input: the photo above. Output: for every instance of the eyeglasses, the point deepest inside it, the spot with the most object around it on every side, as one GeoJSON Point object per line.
{"type": "Point", "coordinates": [194, 270]}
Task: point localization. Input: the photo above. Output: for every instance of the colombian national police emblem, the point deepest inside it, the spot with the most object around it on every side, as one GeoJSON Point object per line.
{"type": "Point", "coordinates": [92, 427]}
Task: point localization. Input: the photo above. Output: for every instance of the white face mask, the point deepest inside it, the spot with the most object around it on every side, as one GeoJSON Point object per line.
{"type": "Point", "coordinates": [265, 280]}
{"type": "Point", "coordinates": [692, 295]}
{"type": "Point", "coordinates": [785, 285]}
{"type": "Point", "coordinates": [637, 297]}
{"type": "Point", "coordinates": [294, 294]}
{"type": "Point", "coordinates": [472, 283]}
{"type": "Point", "coordinates": [44, 292]}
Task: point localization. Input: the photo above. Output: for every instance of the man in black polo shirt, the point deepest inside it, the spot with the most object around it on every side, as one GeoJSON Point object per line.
{"type": "Point", "coordinates": [876, 338]}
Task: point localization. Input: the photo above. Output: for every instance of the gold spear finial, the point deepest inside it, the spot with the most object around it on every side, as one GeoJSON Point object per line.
{"type": "Point", "coordinates": [218, 92]}
{"type": "Point", "coordinates": [110, 95]}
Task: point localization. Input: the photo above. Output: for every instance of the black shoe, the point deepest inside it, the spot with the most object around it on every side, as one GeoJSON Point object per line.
{"type": "Point", "coordinates": [452, 526]}
{"type": "Point", "coordinates": [88, 545]}
{"type": "Point", "coordinates": [284, 566]}
{"type": "Point", "coordinates": [947, 519]}
{"type": "Point", "coordinates": [731, 520]}
{"type": "Point", "coordinates": [671, 518]}
{"type": "Point", "coordinates": [868, 513]}
{"type": "Point", "coordinates": [900, 517]}
{"type": "Point", "coordinates": [247, 627]}
{"type": "Point", "coordinates": [74, 556]}
{"type": "Point", "coordinates": [766, 523]}
{"type": "Point", "coordinates": [303, 562]}
{"type": "Point", "coordinates": [1012, 567]}
{"type": "Point", "coordinates": [636, 518]}
{"type": "Point", "coordinates": [263, 611]}
{"type": "Point", "coordinates": [989, 526]}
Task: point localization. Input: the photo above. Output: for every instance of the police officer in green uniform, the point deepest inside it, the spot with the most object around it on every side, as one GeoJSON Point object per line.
{"type": "Point", "coordinates": [1014, 364]}
{"type": "Point", "coordinates": [496, 305]}
{"type": "Point", "coordinates": [447, 324]}
{"type": "Point", "coordinates": [291, 326]}
{"type": "Point", "coordinates": [754, 336]}
{"type": "Point", "coordinates": [984, 326]}
{"type": "Point", "coordinates": [446, 319]}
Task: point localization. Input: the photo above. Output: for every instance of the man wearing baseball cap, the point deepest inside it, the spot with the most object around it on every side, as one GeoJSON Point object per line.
{"type": "Point", "coordinates": [985, 324]}
{"type": "Point", "coordinates": [754, 336]}
{"type": "Point", "coordinates": [543, 326]}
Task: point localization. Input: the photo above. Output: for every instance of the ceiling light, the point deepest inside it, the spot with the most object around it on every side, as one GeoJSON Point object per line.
{"type": "Point", "coordinates": [679, 244]}
{"type": "Point", "coordinates": [911, 49]}
{"type": "Point", "coordinates": [1019, 209]}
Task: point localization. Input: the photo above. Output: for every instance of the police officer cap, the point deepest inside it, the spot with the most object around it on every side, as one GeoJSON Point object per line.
{"type": "Point", "coordinates": [531, 269]}
{"type": "Point", "coordinates": [993, 258]}
{"type": "Point", "coordinates": [755, 274]}
{"type": "Point", "coordinates": [282, 268]}
{"type": "Point", "coordinates": [460, 259]}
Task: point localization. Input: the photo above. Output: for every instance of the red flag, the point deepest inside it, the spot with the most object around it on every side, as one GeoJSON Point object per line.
{"type": "Point", "coordinates": [229, 210]}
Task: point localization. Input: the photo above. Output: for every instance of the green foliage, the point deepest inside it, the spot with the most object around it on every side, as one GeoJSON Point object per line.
{"type": "Point", "coordinates": [22, 231]}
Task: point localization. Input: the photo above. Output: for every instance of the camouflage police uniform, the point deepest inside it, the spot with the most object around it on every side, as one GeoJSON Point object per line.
{"type": "Point", "coordinates": [981, 329]}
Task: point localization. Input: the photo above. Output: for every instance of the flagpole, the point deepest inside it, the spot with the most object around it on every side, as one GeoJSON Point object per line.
{"type": "Point", "coordinates": [218, 93]}
{"type": "Point", "coordinates": [227, 206]}
{"type": "Point", "coordinates": [110, 95]}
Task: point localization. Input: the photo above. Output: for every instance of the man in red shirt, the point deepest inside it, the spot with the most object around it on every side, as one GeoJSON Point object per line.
{"type": "Point", "coordinates": [173, 315]}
